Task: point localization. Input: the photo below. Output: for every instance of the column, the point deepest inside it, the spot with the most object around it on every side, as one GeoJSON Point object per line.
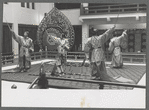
{"type": "Point", "coordinates": [15, 46]}
{"type": "Point", "coordinates": [15, 20]}
{"type": "Point", "coordinates": [85, 34]}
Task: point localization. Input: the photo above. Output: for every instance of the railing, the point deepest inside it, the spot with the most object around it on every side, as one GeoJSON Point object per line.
{"type": "Point", "coordinates": [101, 83]}
{"type": "Point", "coordinates": [7, 57]}
{"type": "Point", "coordinates": [134, 57]}
{"type": "Point", "coordinates": [38, 55]}
{"type": "Point", "coordinates": [122, 8]}
{"type": "Point", "coordinates": [79, 55]}
{"type": "Point", "coordinates": [129, 57]}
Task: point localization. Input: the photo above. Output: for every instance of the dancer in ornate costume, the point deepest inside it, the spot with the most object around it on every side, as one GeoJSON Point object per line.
{"type": "Point", "coordinates": [115, 47]}
{"type": "Point", "coordinates": [26, 48]}
{"type": "Point", "coordinates": [96, 43]}
{"type": "Point", "coordinates": [63, 47]}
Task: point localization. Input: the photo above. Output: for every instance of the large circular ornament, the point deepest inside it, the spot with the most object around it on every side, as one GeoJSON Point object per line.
{"type": "Point", "coordinates": [54, 23]}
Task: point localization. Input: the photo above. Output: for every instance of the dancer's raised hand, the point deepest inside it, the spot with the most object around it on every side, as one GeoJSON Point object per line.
{"type": "Point", "coordinates": [125, 31]}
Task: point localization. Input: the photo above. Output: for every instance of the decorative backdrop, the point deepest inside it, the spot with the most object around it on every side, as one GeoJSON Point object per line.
{"type": "Point", "coordinates": [143, 42]}
{"type": "Point", "coordinates": [55, 23]}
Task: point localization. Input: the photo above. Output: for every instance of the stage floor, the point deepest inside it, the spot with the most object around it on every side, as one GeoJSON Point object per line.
{"type": "Point", "coordinates": [130, 71]}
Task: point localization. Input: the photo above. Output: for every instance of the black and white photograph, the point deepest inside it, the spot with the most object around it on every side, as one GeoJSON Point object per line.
{"type": "Point", "coordinates": [83, 55]}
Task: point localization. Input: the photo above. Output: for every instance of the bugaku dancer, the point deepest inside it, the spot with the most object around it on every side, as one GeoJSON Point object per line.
{"type": "Point", "coordinates": [115, 47]}
{"type": "Point", "coordinates": [63, 47]}
{"type": "Point", "coordinates": [26, 48]}
{"type": "Point", "coordinates": [95, 46]}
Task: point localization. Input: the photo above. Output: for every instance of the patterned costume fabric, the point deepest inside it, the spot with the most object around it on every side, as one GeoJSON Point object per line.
{"type": "Point", "coordinates": [115, 46]}
{"type": "Point", "coordinates": [97, 55]}
{"type": "Point", "coordinates": [97, 43]}
{"type": "Point", "coordinates": [55, 23]}
{"type": "Point", "coordinates": [63, 44]}
{"type": "Point", "coordinates": [26, 45]}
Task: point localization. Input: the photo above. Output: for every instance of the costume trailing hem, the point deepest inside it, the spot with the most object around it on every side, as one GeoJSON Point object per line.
{"type": "Point", "coordinates": [117, 61]}
{"type": "Point", "coordinates": [102, 74]}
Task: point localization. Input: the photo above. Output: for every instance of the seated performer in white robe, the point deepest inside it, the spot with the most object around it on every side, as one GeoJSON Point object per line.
{"type": "Point", "coordinates": [26, 48]}
{"type": "Point", "coordinates": [63, 47]}
{"type": "Point", "coordinates": [115, 47]}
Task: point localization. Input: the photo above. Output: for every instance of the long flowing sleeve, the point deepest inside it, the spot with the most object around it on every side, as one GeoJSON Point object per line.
{"type": "Point", "coordinates": [66, 45]}
{"type": "Point", "coordinates": [111, 47]}
{"type": "Point", "coordinates": [123, 40]}
{"type": "Point", "coordinates": [107, 35]}
{"type": "Point", "coordinates": [123, 36]}
{"type": "Point", "coordinates": [56, 39]}
{"type": "Point", "coordinates": [17, 38]}
{"type": "Point", "coordinates": [87, 48]}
